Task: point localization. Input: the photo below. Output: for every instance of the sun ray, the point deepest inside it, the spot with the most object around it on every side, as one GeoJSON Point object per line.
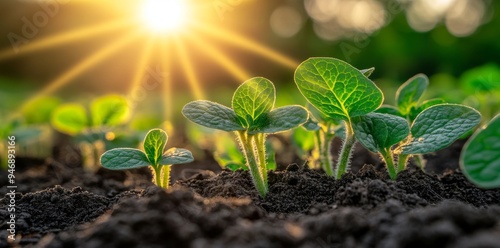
{"type": "Point", "coordinates": [241, 41]}
{"type": "Point", "coordinates": [235, 70]}
{"type": "Point", "coordinates": [84, 65]}
{"type": "Point", "coordinates": [75, 35]}
{"type": "Point", "coordinates": [188, 68]}
{"type": "Point", "coordinates": [141, 66]}
{"type": "Point", "coordinates": [166, 85]}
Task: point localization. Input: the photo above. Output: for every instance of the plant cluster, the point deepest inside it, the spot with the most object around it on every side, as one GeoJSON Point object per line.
{"type": "Point", "coordinates": [343, 102]}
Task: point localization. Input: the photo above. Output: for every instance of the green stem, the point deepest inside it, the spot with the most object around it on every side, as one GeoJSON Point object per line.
{"type": "Point", "coordinates": [258, 180]}
{"type": "Point", "coordinates": [326, 145]}
{"type": "Point", "coordinates": [389, 163]}
{"type": "Point", "coordinates": [165, 175]}
{"type": "Point", "coordinates": [261, 153]}
{"type": "Point", "coordinates": [345, 153]}
{"type": "Point", "coordinates": [402, 161]}
{"type": "Point", "coordinates": [157, 175]}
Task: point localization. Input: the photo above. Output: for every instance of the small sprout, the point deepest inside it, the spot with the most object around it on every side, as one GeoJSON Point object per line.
{"type": "Point", "coordinates": [153, 155]}
{"type": "Point", "coordinates": [480, 157]}
{"type": "Point", "coordinates": [251, 117]}
{"type": "Point", "coordinates": [378, 133]}
{"type": "Point", "coordinates": [340, 92]}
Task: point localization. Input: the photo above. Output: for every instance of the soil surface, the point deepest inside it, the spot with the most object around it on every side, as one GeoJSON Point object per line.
{"type": "Point", "coordinates": [60, 204]}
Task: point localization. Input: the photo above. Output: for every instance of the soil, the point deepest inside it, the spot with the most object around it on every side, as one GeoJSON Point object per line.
{"type": "Point", "coordinates": [60, 204]}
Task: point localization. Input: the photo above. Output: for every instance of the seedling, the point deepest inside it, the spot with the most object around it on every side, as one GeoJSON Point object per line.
{"type": "Point", "coordinates": [340, 92]}
{"type": "Point", "coordinates": [154, 145]}
{"type": "Point", "coordinates": [91, 127]}
{"type": "Point", "coordinates": [433, 129]}
{"type": "Point", "coordinates": [480, 157]}
{"type": "Point", "coordinates": [251, 118]}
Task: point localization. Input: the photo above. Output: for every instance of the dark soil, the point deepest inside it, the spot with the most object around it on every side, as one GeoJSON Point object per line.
{"type": "Point", "coordinates": [66, 206]}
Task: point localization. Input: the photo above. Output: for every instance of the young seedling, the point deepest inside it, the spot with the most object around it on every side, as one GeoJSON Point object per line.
{"type": "Point", "coordinates": [480, 157]}
{"type": "Point", "coordinates": [252, 117]}
{"type": "Point", "coordinates": [91, 126]}
{"type": "Point", "coordinates": [433, 129]}
{"type": "Point", "coordinates": [340, 92]}
{"type": "Point", "coordinates": [153, 155]}
{"type": "Point", "coordinates": [378, 133]}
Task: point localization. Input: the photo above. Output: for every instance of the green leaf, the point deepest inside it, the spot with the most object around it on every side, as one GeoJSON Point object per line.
{"type": "Point", "coordinates": [480, 157]}
{"type": "Point", "coordinates": [311, 124]}
{"type": "Point", "coordinates": [416, 110]}
{"type": "Point", "coordinates": [377, 131]}
{"type": "Point", "coordinates": [282, 119]}
{"type": "Point", "coordinates": [337, 89]}
{"type": "Point", "coordinates": [410, 92]}
{"type": "Point", "coordinates": [110, 110]}
{"type": "Point", "coordinates": [70, 119]}
{"type": "Point", "coordinates": [212, 115]}
{"type": "Point", "coordinates": [253, 100]}
{"type": "Point", "coordinates": [388, 109]}
{"type": "Point", "coordinates": [439, 126]}
{"type": "Point", "coordinates": [154, 144]}
{"type": "Point", "coordinates": [40, 110]}
{"type": "Point", "coordinates": [124, 158]}
{"type": "Point", "coordinates": [368, 72]}
{"type": "Point", "coordinates": [176, 156]}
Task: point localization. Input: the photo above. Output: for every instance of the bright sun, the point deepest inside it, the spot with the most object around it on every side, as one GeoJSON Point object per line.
{"type": "Point", "coordinates": [164, 15]}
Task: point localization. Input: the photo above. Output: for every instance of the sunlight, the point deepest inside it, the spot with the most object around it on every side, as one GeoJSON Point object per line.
{"type": "Point", "coordinates": [81, 67]}
{"type": "Point", "coordinates": [164, 15]}
{"type": "Point", "coordinates": [188, 69]}
{"type": "Point", "coordinates": [240, 41]}
{"type": "Point", "coordinates": [65, 38]}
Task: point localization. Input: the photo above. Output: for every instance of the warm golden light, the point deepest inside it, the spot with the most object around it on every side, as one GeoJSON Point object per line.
{"type": "Point", "coordinates": [164, 15]}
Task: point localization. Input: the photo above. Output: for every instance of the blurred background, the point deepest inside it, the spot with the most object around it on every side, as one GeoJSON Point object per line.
{"type": "Point", "coordinates": [74, 51]}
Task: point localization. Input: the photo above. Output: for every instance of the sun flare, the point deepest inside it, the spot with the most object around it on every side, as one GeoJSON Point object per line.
{"type": "Point", "coordinates": [164, 15]}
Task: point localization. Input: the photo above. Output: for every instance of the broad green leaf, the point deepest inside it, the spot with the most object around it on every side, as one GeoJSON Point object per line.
{"type": "Point", "coordinates": [154, 144]}
{"type": "Point", "coordinates": [368, 72]}
{"type": "Point", "coordinates": [377, 131]}
{"type": "Point", "coordinates": [176, 156]}
{"type": "Point", "coordinates": [410, 92]}
{"type": "Point", "coordinates": [40, 110]}
{"type": "Point", "coordinates": [212, 115]}
{"type": "Point", "coordinates": [388, 109]}
{"type": "Point", "coordinates": [110, 110]}
{"type": "Point", "coordinates": [416, 110]}
{"type": "Point", "coordinates": [337, 89]}
{"type": "Point", "coordinates": [480, 157]}
{"type": "Point", "coordinates": [253, 100]}
{"type": "Point", "coordinates": [481, 79]}
{"type": "Point", "coordinates": [439, 126]}
{"type": "Point", "coordinates": [70, 119]}
{"type": "Point", "coordinates": [124, 158]}
{"type": "Point", "coordinates": [282, 119]}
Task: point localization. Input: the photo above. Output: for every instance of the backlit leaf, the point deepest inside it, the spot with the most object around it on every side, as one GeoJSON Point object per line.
{"type": "Point", "coordinates": [176, 156]}
{"type": "Point", "coordinates": [410, 92]}
{"type": "Point", "coordinates": [253, 100]}
{"type": "Point", "coordinates": [110, 110]}
{"type": "Point", "coordinates": [154, 144]}
{"type": "Point", "coordinates": [70, 119]}
{"type": "Point", "coordinates": [336, 88]}
{"type": "Point", "coordinates": [283, 118]}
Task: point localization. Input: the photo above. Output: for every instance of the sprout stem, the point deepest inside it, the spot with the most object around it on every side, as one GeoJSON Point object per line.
{"type": "Point", "coordinates": [157, 175]}
{"type": "Point", "coordinates": [389, 162]}
{"type": "Point", "coordinates": [402, 161]}
{"type": "Point", "coordinates": [261, 153]}
{"type": "Point", "coordinates": [165, 175]}
{"type": "Point", "coordinates": [255, 171]}
{"type": "Point", "coordinates": [345, 153]}
{"type": "Point", "coordinates": [325, 148]}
